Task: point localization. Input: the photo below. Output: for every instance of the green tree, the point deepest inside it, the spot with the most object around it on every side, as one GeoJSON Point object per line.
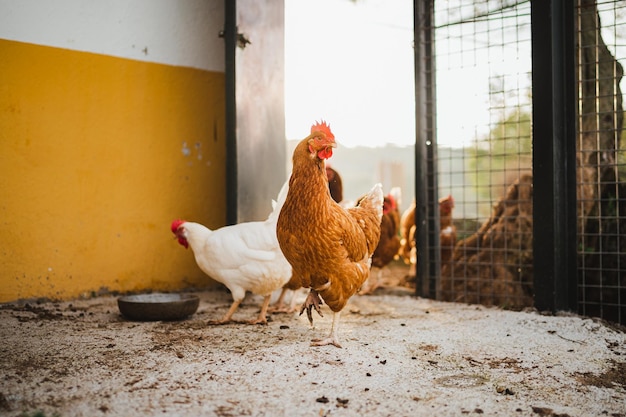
{"type": "Point", "coordinates": [502, 155]}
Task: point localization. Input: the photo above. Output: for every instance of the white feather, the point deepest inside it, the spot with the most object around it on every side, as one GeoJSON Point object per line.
{"type": "Point", "coordinates": [243, 257]}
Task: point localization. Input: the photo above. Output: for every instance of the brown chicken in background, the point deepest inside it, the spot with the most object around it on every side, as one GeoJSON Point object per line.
{"type": "Point", "coordinates": [447, 230]}
{"type": "Point", "coordinates": [389, 243]}
{"type": "Point", "coordinates": [407, 241]}
{"type": "Point", "coordinates": [335, 185]}
{"type": "Point", "coordinates": [329, 247]}
{"type": "Point", "coordinates": [447, 233]}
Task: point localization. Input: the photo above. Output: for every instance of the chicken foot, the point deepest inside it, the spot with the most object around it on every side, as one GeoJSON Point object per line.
{"type": "Point", "coordinates": [312, 301]}
{"type": "Point", "coordinates": [261, 319]}
{"type": "Point", "coordinates": [228, 315]}
{"type": "Point", "coordinates": [280, 307]}
{"type": "Point", "coordinates": [332, 338]}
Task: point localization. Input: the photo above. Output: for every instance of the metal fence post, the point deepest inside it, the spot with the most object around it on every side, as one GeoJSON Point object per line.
{"type": "Point", "coordinates": [230, 45]}
{"type": "Point", "coordinates": [554, 154]}
{"type": "Point", "coordinates": [426, 199]}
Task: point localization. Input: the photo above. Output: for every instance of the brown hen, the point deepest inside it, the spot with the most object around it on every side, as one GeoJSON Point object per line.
{"type": "Point", "coordinates": [335, 186]}
{"type": "Point", "coordinates": [389, 243]}
{"type": "Point", "coordinates": [328, 247]}
{"type": "Point", "coordinates": [447, 233]}
{"type": "Point", "coordinates": [447, 229]}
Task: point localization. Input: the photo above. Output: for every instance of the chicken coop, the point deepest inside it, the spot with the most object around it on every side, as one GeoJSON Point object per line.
{"type": "Point", "coordinates": [533, 160]}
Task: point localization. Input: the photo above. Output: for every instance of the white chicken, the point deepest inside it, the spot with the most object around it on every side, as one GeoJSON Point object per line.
{"type": "Point", "coordinates": [244, 257]}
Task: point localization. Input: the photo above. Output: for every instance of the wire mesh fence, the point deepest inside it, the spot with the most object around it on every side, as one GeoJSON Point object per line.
{"type": "Point", "coordinates": [484, 157]}
{"type": "Point", "coordinates": [483, 64]}
{"type": "Point", "coordinates": [601, 164]}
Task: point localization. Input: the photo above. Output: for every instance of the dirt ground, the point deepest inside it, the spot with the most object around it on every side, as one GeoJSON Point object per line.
{"type": "Point", "coordinates": [401, 356]}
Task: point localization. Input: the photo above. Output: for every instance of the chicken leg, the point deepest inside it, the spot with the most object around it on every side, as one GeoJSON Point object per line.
{"type": "Point", "coordinates": [261, 319]}
{"type": "Point", "coordinates": [280, 307]}
{"type": "Point", "coordinates": [332, 338]}
{"type": "Point", "coordinates": [312, 301]}
{"type": "Point", "coordinates": [228, 315]}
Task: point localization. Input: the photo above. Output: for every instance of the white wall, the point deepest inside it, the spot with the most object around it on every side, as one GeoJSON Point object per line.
{"type": "Point", "coordinates": [173, 32]}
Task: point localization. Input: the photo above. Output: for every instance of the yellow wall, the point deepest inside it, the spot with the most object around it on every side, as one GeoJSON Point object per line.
{"type": "Point", "coordinates": [97, 156]}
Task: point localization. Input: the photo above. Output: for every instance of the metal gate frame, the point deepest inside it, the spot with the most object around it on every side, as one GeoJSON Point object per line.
{"type": "Point", "coordinates": [554, 156]}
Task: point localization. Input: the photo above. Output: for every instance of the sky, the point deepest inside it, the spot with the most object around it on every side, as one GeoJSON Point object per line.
{"type": "Point", "coordinates": [351, 63]}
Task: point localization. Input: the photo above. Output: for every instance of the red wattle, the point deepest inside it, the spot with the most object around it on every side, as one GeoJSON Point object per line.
{"type": "Point", "coordinates": [325, 153]}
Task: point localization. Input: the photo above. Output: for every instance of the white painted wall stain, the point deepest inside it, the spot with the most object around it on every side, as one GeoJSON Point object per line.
{"type": "Point", "coordinates": [194, 152]}
{"type": "Point", "coordinates": [185, 149]}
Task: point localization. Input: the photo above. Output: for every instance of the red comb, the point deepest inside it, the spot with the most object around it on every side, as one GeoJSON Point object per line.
{"type": "Point", "coordinates": [176, 224]}
{"type": "Point", "coordinates": [322, 126]}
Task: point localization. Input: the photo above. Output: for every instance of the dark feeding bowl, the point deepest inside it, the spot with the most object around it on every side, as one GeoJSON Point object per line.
{"type": "Point", "coordinates": [158, 306]}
